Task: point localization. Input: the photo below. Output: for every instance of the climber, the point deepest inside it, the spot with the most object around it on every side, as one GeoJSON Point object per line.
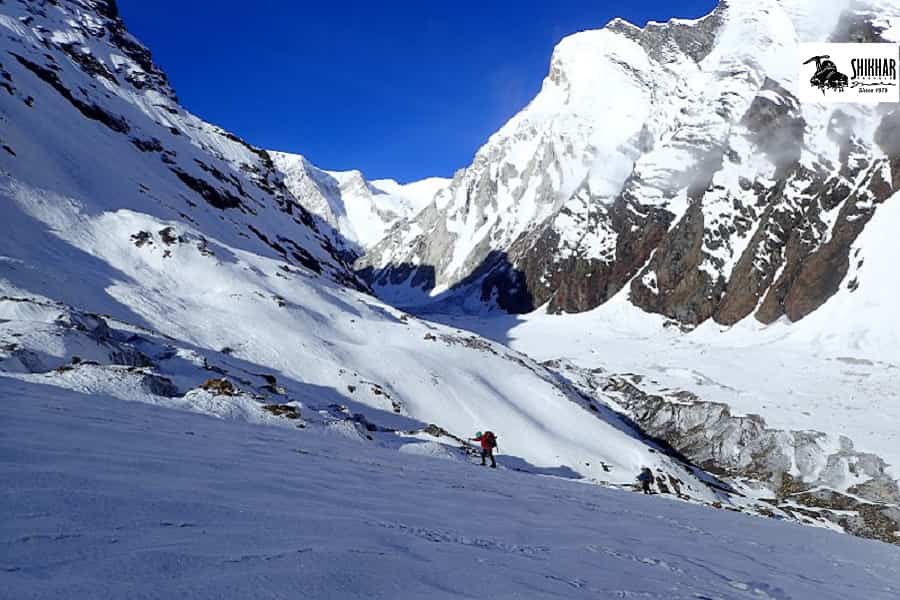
{"type": "Point", "coordinates": [646, 480]}
{"type": "Point", "coordinates": [488, 443]}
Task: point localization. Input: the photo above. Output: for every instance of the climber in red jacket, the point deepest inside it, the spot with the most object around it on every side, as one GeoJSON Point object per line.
{"type": "Point", "coordinates": [488, 443]}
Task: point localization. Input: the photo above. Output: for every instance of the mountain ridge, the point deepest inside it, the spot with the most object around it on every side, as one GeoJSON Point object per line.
{"type": "Point", "coordinates": [714, 195]}
{"type": "Point", "coordinates": [360, 211]}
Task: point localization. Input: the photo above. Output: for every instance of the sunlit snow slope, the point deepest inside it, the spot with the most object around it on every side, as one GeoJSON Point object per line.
{"type": "Point", "coordinates": [102, 499]}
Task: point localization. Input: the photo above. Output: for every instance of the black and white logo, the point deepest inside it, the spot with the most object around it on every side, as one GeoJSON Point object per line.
{"type": "Point", "coordinates": [866, 73]}
{"type": "Point", "coordinates": [827, 76]}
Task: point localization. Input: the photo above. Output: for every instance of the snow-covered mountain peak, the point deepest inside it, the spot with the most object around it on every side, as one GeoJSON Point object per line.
{"type": "Point", "coordinates": [352, 181]}
{"type": "Point", "coordinates": [360, 211]}
{"type": "Point", "coordinates": [679, 140]}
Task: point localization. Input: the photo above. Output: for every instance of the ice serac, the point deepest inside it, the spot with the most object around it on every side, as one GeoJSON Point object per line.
{"type": "Point", "coordinates": [673, 161]}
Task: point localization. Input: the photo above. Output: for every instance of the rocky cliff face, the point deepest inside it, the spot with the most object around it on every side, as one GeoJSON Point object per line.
{"type": "Point", "coordinates": [673, 162]}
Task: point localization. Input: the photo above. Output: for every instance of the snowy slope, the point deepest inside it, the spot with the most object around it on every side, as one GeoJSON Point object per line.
{"type": "Point", "coordinates": [793, 378]}
{"type": "Point", "coordinates": [786, 405]}
{"type": "Point", "coordinates": [836, 371]}
{"type": "Point", "coordinates": [723, 244]}
{"type": "Point", "coordinates": [108, 500]}
{"type": "Point", "coordinates": [860, 320]}
{"type": "Point", "coordinates": [360, 211]}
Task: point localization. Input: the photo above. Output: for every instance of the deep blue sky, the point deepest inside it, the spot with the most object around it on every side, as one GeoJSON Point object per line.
{"type": "Point", "coordinates": [393, 88]}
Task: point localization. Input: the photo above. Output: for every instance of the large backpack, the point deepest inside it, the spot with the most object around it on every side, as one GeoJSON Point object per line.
{"type": "Point", "coordinates": [491, 439]}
